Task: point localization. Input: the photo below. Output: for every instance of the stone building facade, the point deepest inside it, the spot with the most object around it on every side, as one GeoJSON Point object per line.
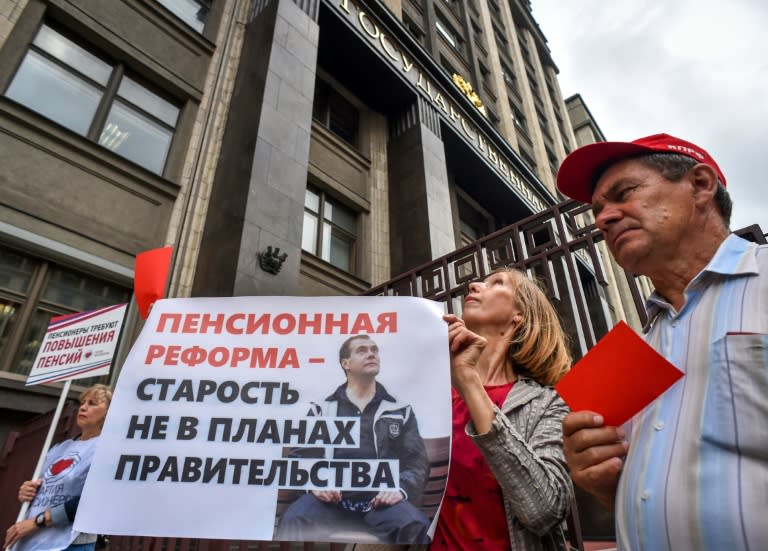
{"type": "Point", "coordinates": [349, 141]}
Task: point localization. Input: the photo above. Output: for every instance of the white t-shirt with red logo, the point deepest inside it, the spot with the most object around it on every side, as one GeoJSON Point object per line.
{"type": "Point", "coordinates": [64, 472]}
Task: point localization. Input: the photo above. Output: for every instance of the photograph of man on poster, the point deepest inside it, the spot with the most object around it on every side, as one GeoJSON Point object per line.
{"type": "Point", "coordinates": [388, 430]}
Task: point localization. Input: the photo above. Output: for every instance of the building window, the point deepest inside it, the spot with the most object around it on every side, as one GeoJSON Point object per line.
{"type": "Point", "coordinates": [484, 71]}
{"type": "Point", "coordinates": [521, 39]}
{"type": "Point", "coordinates": [83, 92]}
{"type": "Point", "coordinates": [192, 12]}
{"type": "Point", "coordinates": [519, 119]}
{"type": "Point", "coordinates": [493, 117]}
{"type": "Point", "coordinates": [447, 34]}
{"type": "Point", "coordinates": [552, 158]}
{"type": "Point", "coordinates": [501, 40]}
{"type": "Point", "coordinates": [413, 28]}
{"type": "Point", "coordinates": [474, 221]}
{"type": "Point", "coordinates": [527, 156]}
{"type": "Point", "coordinates": [330, 230]}
{"type": "Point", "coordinates": [335, 112]}
{"type": "Point", "coordinates": [449, 68]}
{"type": "Point", "coordinates": [32, 291]}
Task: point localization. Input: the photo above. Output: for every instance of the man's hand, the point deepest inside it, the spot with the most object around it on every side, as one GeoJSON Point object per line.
{"type": "Point", "coordinates": [327, 496]}
{"type": "Point", "coordinates": [594, 454]}
{"type": "Point", "coordinates": [18, 531]}
{"type": "Point", "coordinates": [28, 490]}
{"type": "Point", "coordinates": [387, 499]}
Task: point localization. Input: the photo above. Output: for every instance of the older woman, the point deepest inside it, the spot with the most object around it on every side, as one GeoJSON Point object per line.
{"type": "Point", "coordinates": [508, 486]}
{"type": "Point", "coordinates": [54, 497]}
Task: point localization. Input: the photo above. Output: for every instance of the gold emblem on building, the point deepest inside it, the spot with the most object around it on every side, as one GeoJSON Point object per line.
{"type": "Point", "coordinates": [466, 87]}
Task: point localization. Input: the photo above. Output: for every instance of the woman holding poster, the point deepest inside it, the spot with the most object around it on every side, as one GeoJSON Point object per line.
{"type": "Point", "coordinates": [55, 496]}
{"type": "Point", "coordinates": [508, 485]}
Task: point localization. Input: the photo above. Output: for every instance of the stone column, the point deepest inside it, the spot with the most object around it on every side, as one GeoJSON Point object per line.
{"type": "Point", "coordinates": [257, 199]}
{"type": "Point", "coordinates": [421, 224]}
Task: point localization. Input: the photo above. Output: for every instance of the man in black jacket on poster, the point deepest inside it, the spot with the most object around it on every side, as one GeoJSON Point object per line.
{"type": "Point", "coordinates": [388, 430]}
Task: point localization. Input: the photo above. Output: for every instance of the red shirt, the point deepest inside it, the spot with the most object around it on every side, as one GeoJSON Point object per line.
{"type": "Point", "coordinates": [472, 515]}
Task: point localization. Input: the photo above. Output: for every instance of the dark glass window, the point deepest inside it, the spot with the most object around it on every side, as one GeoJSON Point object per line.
{"type": "Point", "coordinates": [69, 84]}
{"type": "Point", "coordinates": [32, 291]}
{"type": "Point", "coordinates": [474, 221]}
{"type": "Point", "coordinates": [330, 230]}
{"type": "Point", "coordinates": [192, 12]}
{"type": "Point", "coordinates": [413, 28]}
{"type": "Point", "coordinates": [335, 112]}
{"type": "Point", "coordinates": [447, 33]}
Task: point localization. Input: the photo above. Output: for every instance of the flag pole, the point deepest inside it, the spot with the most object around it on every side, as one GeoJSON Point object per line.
{"type": "Point", "coordinates": [47, 444]}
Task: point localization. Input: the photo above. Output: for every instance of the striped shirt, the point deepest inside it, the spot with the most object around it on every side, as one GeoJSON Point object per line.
{"type": "Point", "coordinates": [696, 475]}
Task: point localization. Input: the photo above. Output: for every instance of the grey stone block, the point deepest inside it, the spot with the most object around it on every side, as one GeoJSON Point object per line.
{"type": "Point", "coordinates": [288, 175]}
{"type": "Point", "coordinates": [277, 130]}
{"type": "Point", "coordinates": [295, 106]}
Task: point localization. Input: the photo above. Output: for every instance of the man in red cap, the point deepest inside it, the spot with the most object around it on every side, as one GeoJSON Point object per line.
{"type": "Point", "coordinates": [694, 474]}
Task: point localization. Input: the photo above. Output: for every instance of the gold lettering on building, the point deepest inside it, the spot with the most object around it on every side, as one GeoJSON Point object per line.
{"type": "Point", "coordinates": [374, 30]}
{"type": "Point", "coordinates": [467, 131]}
{"type": "Point", "coordinates": [391, 51]}
{"type": "Point", "coordinates": [423, 83]}
{"type": "Point", "coordinates": [407, 64]}
{"type": "Point", "coordinates": [387, 47]}
{"type": "Point", "coordinates": [441, 102]}
{"type": "Point", "coordinates": [480, 142]}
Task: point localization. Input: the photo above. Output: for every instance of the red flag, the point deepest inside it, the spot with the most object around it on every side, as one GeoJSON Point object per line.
{"type": "Point", "coordinates": [150, 276]}
{"type": "Point", "coordinates": [618, 377]}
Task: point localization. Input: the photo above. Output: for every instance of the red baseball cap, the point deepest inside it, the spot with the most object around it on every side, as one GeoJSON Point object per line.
{"type": "Point", "coordinates": [578, 170]}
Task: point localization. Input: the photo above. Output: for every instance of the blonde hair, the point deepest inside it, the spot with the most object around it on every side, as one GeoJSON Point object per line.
{"type": "Point", "coordinates": [98, 391]}
{"type": "Point", "coordinates": [539, 347]}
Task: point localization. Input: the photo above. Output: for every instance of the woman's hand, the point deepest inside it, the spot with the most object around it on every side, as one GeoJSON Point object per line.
{"type": "Point", "coordinates": [28, 490]}
{"type": "Point", "coordinates": [465, 347]}
{"type": "Point", "coordinates": [19, 530]}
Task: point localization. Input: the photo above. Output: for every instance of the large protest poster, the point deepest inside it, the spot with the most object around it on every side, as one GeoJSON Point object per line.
{"type": "Point", "coordinates": [78, 345]}
{"type": "Point", "coordinates": [217, 395]}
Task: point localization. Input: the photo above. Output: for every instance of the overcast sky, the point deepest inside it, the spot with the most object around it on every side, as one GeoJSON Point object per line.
{"type": "Point", "coordinates": [696, 69]}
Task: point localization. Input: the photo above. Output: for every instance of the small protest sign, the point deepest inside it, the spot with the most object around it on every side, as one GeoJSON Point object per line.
{"type": "Point", "coordinates": [76, 346]}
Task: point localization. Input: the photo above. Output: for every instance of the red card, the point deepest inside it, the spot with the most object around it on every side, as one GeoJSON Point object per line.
{"type": "Point", "coordinates": [618, 377]}
{"type": "Point", "coordinates": [149, 277]}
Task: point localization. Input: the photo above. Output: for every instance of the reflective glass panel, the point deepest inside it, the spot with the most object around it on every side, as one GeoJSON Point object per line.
{"type": "Point", "coordinates": [341, 216]}
{"type": "Point", "coordinates": [73, 55]}
{"type": "Point", "coordinates": [312, 201]}
{"type": "Point", "coordinates": [149, 102]}
{"type": "Point", "coordinates": [79, 292]}
{"type": "Point", "coordinates": [15, 270]}
{"type": "Point", "coordinates": [192, 12]}
{"type": "Point", "coordinates": [448, 35]}
{"type": "Point", "coordinates": [55, 93]}
{"type": "Point", "coordinates": [325, 253]}
{"type": "Point", "coordinates": [340, 252]}
{"type": "Point", "coordinates": [309, 233]}
{"type": "Point", "coordinates": [8, 310]}
{"type": "Point", "coordinates": [31, 343]}
{"type": "Point", "coordinates": [136, 137]}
